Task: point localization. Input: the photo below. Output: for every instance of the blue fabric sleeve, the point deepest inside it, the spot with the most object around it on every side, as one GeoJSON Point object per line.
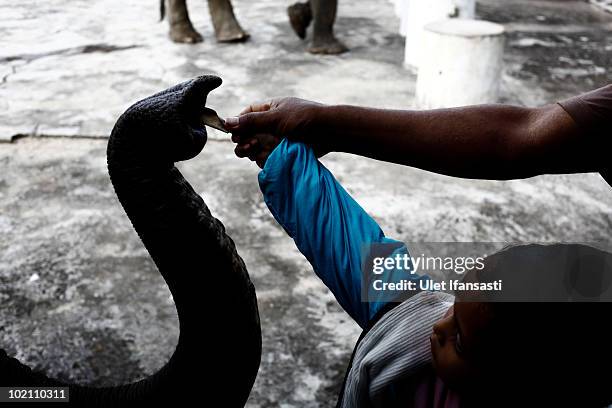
{"type": "Point", "coordinates": [328, 226]}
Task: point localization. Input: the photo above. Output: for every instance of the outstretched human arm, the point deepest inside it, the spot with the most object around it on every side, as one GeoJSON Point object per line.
{"type": "Point", "coordinates": [482, 141]}
{"type": "Point", "coordinates": [328, 226]}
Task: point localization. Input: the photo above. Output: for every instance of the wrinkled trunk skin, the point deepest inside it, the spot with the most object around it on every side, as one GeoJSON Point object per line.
{"type": "Point", "coordinates": [219, 347]}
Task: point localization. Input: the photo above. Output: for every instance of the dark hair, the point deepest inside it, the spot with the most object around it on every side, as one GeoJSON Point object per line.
{"type": "Point", "coordinates": [547, 352]}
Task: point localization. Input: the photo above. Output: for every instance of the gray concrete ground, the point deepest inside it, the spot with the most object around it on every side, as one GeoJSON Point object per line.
{"type": "Point", "coordinates": [79, 296]}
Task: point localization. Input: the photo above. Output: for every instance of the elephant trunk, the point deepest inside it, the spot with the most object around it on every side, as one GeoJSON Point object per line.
{"type": "Point", "coordinates": [219, 347]}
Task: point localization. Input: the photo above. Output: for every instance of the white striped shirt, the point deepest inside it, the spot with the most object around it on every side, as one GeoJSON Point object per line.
{"type": "Point", "coordinates": [396, 347]}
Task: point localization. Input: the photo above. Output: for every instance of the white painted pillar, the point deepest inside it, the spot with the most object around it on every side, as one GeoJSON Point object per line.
{"type": "Point", "coordinates": [398, 7]}
{"type": "Point", "coordinates": [463, 64]}
{"type": "Point", "coordinates": [403, 15]}
{"type": "Point", "coordinates": [465, 8]}
{"type": "Point", "coordinates": [418, 13]}
{"type": "Point", "coordinates": [402, 10]}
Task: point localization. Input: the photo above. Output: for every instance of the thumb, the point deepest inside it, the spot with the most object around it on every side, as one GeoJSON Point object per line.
{"type": "Point", "coordinates": [251, 123]}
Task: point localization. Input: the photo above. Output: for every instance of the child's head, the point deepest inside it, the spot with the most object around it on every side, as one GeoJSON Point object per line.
{"type": "Point", "coordinates": [515, 352]}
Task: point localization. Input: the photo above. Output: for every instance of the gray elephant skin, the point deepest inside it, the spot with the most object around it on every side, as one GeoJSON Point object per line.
{"type": "Point", "coordinates": [219, 348]}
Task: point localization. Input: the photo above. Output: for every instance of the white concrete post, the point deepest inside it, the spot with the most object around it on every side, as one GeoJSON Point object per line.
{"type": "Point", "coordinates": [402, 10]}
{"type": "Point", "coordinates": [465, 8]}
{"type": "Point", "coordinates": [397, 6]}
{"type": "Point", "coordinates": [463, 64]}
{"type": "Point", "coordinates": [418, 13]}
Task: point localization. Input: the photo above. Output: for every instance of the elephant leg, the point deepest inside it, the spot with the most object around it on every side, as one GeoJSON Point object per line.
{"type": "Point", "coordinates": [181, 29]}
{"type": "Point", "coordinates": [323, 40]}
{"type": "Point", "coordinates": [227, 28]}
{"type": "Point", "coordinates": [300, 16]}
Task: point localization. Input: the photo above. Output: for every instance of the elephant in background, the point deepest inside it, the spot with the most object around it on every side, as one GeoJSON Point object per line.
{"type": "Point", "coordinates": [323, 12]}
{"type": "Point", "coordinates": [227, 28]}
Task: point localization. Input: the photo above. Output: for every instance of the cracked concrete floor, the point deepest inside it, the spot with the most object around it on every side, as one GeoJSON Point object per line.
{"type": "Point", "coordinates": [79, 296]}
